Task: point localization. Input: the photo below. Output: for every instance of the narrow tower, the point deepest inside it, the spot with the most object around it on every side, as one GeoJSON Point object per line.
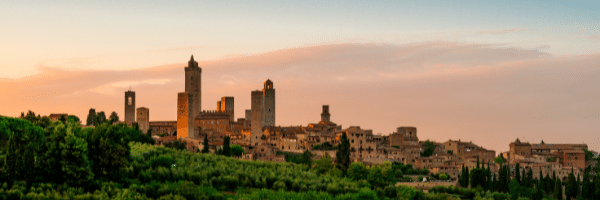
{"type": "Point", "coordinates": [257, 118]}
{"type": "Point", "coordinates": [130, 106]}
{"type": "Point", "coordinates": [269, 104]}
{"type": "Point", "coordinates": [325, 114]}
{"type": "Point", "coordinates": [193, 86]}
{"type": "Point", "coordinates": [227, 105]}
{"type": "Point", "coordinates": [143, 119]}
{"type": "Point", "coordinates": [185, 123]}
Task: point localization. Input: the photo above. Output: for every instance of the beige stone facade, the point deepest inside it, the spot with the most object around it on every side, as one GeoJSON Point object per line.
{"type": "Point", "coordinates": [143, 117]}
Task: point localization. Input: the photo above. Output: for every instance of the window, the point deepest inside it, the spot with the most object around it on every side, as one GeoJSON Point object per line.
{"type": "Point", "coordinates": [130, 101]}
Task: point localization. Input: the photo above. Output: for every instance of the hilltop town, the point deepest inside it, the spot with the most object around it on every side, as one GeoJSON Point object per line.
{"type": "Point", "coordinates": [260, 136]}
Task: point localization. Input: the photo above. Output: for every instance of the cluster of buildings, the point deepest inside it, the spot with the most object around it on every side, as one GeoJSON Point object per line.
{"type": "Point", "coordinates": [261, 138]}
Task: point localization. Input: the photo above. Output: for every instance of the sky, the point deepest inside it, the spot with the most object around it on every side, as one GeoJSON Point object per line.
{"type": "Point", "coordinates": [481, 71]}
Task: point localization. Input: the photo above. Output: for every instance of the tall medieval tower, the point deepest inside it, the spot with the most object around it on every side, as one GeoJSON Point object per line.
{"type": "Point", "coordinates": [269, 104]}
{"type": "Point", "coordinates": [257, 117]}
{"type": "Point", "coordinates": [193, 86]}
{"type": "Point", "coordinates": [325, 114]}
{"type": "Point", "coordinates": [130, 106]}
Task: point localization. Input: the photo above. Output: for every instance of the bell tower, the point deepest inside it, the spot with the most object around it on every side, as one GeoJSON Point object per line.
{"type": "Point", "coordinates": [130, 106]}
{"type": "Point", "coordinates": [193, 86]}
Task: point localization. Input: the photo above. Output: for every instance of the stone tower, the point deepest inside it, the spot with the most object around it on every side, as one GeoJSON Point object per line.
{"type": "Point", "coordinates": [257, 118]}
{"type": "Point", "coordinates": [143, 115]}
{"type": "Point", "coordinates": [269, 103]}
{"type": "Point", "coordinates": [130, 106]}
{"type": "Point", "coordinates": [227, 105]}
{"type": "Point", "coordinates": [185, 121]}
{"type": "Point", "coordinates": [325, 114]}
{"type": "Point", "coordinates": [193, 86]}
{"type": "Point", "coordinates": [248, 115]}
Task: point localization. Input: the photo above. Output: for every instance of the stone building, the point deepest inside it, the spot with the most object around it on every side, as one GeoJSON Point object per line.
{"type": "Point", "coordinates": [193, 86]}
{"type": "Point", "coordinates": [57, 116]}
{"type": "Point", "coordinates": [162, 127]}
{"type": "Point", "coordinates": [185, 121]}
{"type": "Point", "coordinates": [518, 148]}
{"type": "Point", "coordinates": [572, 158]}
{"type": "Point", "coordinates": [466, 150]}
{"type": "Point", "coordinates": [215, 120]}
{"type": "Point", "coordinates": [143, 116]}
{"type": "Point", "coordinates": [361, 142]}
{"type": "Point", "coordinates": [288, 139]}
{"type": "Point", "coordinates": [129, 107]}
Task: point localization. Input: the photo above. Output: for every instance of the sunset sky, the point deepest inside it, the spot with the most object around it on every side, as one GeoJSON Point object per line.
{"type": "Point", "coordinates": [481, 71]}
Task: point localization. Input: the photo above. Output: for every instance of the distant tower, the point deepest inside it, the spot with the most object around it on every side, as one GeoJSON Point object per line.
{"type": "Point", "coordinates": [130, 106]}
{"type": "Point", "coordinates": [325, 114]}
{"type": "Point", "coordinates": [185, 121]}
{"type": "Point", "coordinates": [256, 123]}
{"type": "Point", "coordinates": [227, 105]}
{"type": "Point", "coordinates": [193, 86]}
{"type": "Point", "coordinates": [269, 103]}
{"type": "Point", "coordinates": [143, 116]}
{"type": "Point", "coordinates": [248, 115]}
{"type": "Point", "coordinates": [218, 105]}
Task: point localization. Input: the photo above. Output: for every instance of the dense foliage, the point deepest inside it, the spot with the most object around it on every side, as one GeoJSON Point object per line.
{"type": "Point", "coordinates": [64, 161]}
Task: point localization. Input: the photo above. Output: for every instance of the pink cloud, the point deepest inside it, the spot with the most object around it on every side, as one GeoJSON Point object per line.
{"type": "Point", "coordinates": [484, 93]}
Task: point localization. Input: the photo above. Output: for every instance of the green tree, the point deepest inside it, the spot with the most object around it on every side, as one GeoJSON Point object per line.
{"type": "Point", "coordinates": [586, 190]}
{"type": "Point", "coordinates": [323, 164]}
{"type": "Point", "coordinates": [307, 157]}
{"type": "Point", "coordinates": [357, 171]}
{"type": "Point", "coordinates": [63, 119]}
{"type": "Point", "coordinates": [205, 144]}
{"type": "Point", "coordinates": [226, 151]}
{"type": "Point", "coordinates": [518, 173]}
{"type": "Point", "coordinates": [73, 119]}
{"type": "Point", "coordinates": [428, 149]}
{"type": "Point", "coordinates": [237, 150]}
{"type": "Point", "coordinates": [74, 160]}
{"type": "Point", "coordinates": [376, 178]}
{"type": "Point", "coordinates": [100, 118]}
{"type": "Point", "coordinates": [91, 118]}
{"type": "Point", "coordinates": [109, 149]}
{"type": "Point", "coordinates": [571, 186]}
{"type": "Point", "coordinates": [558, 191]}
{"type": "Point", "coordinates": [342, 156]}
{"type": "Point", "coordinates": [113, 117]}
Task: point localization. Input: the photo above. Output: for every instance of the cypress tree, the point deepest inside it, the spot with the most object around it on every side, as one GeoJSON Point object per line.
{"type": "Point", "coordinates": [530, 178]}
{"type": "Point", "coordinates": [523, 177]}
{"type": "Point", "coordinates": [226, 151]}
{"type": "Point", "coordinates": [205, 144]}
{"type": "Point", "coordinates": [585, 190]}
{"type": "Point", "coordinates": [571, 186]}
{"type": "Point", "coordinates": [554, 176]}
{"type": "Point", "coordinates": [577, 186]}
{"type": "Point", "coordinates": [467, 177]}
{"type": "Point", "coordinates": [342, 158]}
{"type": "Point", "coordinates": [518, 173]}
{"type": "Point", "coordinates": [558, 193]}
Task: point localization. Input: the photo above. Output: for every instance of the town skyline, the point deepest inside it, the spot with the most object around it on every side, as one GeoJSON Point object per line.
{"type": "Point", "coordinates": [455, 70]}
